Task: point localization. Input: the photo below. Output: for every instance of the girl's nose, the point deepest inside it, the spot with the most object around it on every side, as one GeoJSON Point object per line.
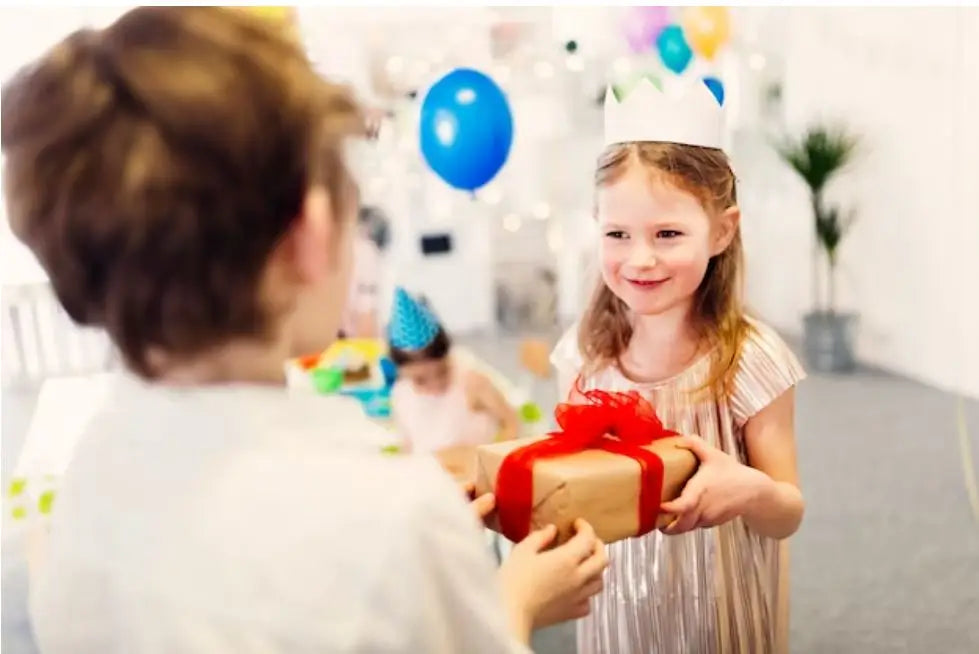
{"type": "Point", "coordinates": [642, 256]}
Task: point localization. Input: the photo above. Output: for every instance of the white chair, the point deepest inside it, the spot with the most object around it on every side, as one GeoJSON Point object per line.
{"type": "Point", "coordinates": [40, 341]}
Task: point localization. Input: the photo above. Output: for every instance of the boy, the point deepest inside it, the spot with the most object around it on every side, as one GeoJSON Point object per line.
{"type": "Point", "coordinates": [180, 175]}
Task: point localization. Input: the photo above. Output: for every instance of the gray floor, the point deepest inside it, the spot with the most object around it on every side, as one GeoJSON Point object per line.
{"type": "Point", "coordinates": [887, 559]}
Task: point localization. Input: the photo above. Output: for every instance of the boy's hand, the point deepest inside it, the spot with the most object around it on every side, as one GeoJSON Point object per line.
{"type": "Point", "coordinates": [720, 491]}
{"type": "Point", "coordinates": [483, 505]}
{"type": "Point", "coordinates": [544, 587]}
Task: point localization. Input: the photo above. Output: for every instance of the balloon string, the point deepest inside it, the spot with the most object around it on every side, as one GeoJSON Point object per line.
{"type": "Point", "coordinates": [968, 468]}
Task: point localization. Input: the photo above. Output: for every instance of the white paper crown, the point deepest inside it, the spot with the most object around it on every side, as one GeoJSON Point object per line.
{"type": "Point", "coordinates": [691, 116]}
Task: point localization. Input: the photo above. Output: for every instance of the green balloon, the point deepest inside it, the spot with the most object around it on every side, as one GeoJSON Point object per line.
{"type": "Point", "coordinates": [530, 412]}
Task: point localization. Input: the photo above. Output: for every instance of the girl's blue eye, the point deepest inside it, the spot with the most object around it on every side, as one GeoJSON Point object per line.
{"type": "Point", "coordinates": [617, 233]}
{"type": "Point", "coordinates": [668, 233]}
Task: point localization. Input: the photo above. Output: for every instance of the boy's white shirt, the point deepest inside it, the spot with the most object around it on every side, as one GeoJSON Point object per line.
{"type": "Point", "coordinates": [247, 519]}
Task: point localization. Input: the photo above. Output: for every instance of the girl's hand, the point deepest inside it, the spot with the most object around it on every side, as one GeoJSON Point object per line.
{"type": "Point", "coordinates": [721, 490]}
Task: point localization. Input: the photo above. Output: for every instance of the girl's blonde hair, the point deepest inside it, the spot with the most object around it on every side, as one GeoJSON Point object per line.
{"type": "Point", "coordinates": [606, 327]}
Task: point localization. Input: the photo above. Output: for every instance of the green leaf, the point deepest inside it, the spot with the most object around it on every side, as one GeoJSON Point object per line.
{"type": "Point", "coordinates": [831, 227]}
{"type": "Point", "coordinates": [818, 154]}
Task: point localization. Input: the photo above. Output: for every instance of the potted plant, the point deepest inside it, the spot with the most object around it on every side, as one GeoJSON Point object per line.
{"type": "Point", "coordinates": [818, 155]}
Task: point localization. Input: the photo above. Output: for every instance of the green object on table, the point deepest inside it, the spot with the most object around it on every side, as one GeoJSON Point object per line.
{"type": "Point", "coordinates": [17, 487]}
{"type": "Point", "coordinates": [391, 449]}
{"type": "Point", "coordinates": [530, 412]}
{"type": "Point", "coordinates": [19, 513]}
{"type": "Point", "coordinates": [328, 380]}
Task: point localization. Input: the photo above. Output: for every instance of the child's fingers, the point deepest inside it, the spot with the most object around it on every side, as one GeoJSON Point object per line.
{"type": "Point", "coordinates": [540, 538]}
{"type": "Point", "coordinates": [582, 544]}
{"type": "Point", "coordinates": [580, 610]}
{"type": "Point", "coordinates": [688, 500]}
{"type": "Point", "coordinates": [595, 564]}
{"type": "Point", "coordinates": [683, 523]}
{"type": "Point", "coordinates": [700, 448]}
{"type": "Point", "coordinates": [483, 505]}
{"type": "Point", "coordinates": [593, 586]}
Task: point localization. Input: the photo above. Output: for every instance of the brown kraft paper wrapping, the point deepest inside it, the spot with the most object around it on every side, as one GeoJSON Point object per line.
{"type": "Point", "coordinates": [598, 486]}
{"type": "Point", "coordinates": [459, 461]}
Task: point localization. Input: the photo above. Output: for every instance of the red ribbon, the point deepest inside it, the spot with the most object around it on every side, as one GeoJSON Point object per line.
{"type": "Point", "coordinates": [620, 423]}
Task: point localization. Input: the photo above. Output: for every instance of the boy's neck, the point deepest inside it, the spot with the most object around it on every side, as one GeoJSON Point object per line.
{"type": "Point", "coordinates": [245, 362]}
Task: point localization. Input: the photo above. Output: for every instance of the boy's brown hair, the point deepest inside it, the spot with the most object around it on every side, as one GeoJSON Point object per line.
{"type": "Point", "coordinates": [153, 166]}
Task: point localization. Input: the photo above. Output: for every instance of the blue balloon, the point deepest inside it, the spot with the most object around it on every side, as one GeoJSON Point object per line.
{"type": "Point", "coordinates": [674, 49]}
{"type": "Point", "coordinates": [716, 87]}
{"type": "Point", "coordinates": [466, 129]}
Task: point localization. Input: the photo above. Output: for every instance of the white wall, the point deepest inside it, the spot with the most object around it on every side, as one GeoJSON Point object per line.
{"type": "Point", "coordinates": [911, 264]}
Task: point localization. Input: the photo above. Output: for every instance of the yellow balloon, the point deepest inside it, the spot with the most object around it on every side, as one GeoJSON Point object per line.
{"type": "Point", "coordinates": [283, 14]}
{"type": "Point", "coordinates": [707, 29]}
{"type": "Point", "coordinates": [284, 17]}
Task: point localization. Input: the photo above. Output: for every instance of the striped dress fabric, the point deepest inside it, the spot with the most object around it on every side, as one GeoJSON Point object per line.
{"type": "Point", "coordinates": [722, 589]}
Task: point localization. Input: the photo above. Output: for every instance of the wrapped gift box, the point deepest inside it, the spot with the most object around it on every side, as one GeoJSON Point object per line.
{"type": "Point", "coordinates": [596, 485]}
{"type": "Point", "coordinates": [459, 461]}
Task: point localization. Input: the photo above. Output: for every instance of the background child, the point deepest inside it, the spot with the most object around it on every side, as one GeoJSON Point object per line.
{"type": "Point", "coordinates": [181, 177]}
{"type": "Point", "coordinates": [666, 318]}
{"type": "Point", "coordinates": [437, 401]}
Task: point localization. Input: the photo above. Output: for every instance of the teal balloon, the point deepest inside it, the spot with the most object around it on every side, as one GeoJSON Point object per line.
{"type": "Point", "coordinates": [716, 87]}
{"type": "Point", "coordinates": [674, 51]}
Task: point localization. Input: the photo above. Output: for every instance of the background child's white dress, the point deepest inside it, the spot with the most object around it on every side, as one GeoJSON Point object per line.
{"type": "Point", "coordinates": [711, 590]}
{"type": "Point", "coordinates": [433, 422]}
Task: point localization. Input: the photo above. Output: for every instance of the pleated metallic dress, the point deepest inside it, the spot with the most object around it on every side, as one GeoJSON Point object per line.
{"type": "Point", "coordinates": [720, 590]}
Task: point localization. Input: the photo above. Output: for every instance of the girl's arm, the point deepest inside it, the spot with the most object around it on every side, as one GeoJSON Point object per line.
{"type": "Point", "coordinates": [484, 395]}
{"type": "Point", "coordinates": [769, 436]}
{"type": "Point", "coordinates": [765, 493]}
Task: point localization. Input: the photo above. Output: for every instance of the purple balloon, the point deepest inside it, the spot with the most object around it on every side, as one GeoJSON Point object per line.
{"type": "Point", "coordinates": [642, 25]}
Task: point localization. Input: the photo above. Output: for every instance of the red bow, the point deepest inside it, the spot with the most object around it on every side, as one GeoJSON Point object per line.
{"type": "Point", "coordinates": [620, 423]}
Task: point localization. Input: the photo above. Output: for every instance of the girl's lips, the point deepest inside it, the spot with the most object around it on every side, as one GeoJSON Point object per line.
{"type": "Point", "coordinates": [647, 283]}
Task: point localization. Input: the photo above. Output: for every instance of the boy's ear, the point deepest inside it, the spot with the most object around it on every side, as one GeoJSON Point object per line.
{"type": "Point", "coordinates": [314, 237]}
{"type": "Point", "coordinates": [725, 227]}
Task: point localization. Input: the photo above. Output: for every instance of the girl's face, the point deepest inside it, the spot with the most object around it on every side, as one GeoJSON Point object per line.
{"type": "Point", "coordinates": [429, 377]}
{"type": "Point", "coordinates": [656, 241]}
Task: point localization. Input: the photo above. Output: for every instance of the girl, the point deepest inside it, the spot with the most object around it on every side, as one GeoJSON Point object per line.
{"type": "Point", "coordinates": [666, 318]}
{"type": "Point", "coordinates": [181, 176]}
{"type": "Point", "coordinates": [437, 401]}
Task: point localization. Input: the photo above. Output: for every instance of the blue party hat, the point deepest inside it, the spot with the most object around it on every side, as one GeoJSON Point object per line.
{"type": "Point", "coordinates": [412, 326]}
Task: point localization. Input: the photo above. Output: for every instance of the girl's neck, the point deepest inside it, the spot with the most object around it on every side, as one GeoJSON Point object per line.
{"type": "Point", "coordinates": [662, 345]}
